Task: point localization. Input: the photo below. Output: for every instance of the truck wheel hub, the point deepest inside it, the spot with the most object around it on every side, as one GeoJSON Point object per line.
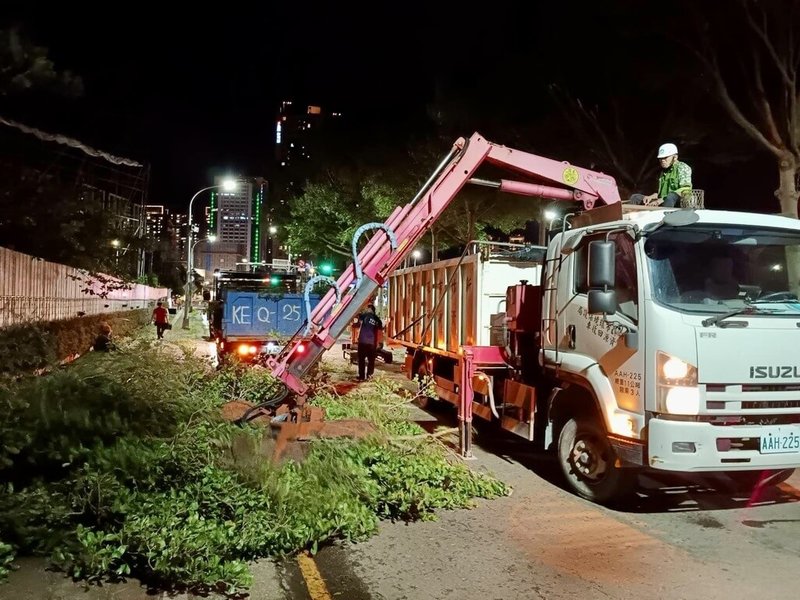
{"type": "Point", "coordinates": [588, 459]}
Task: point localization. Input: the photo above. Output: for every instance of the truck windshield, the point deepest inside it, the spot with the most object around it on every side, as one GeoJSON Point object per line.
{"type": "Point", "coordinates": [718, 268]}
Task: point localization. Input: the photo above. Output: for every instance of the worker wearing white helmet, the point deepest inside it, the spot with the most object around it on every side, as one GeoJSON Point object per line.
{"type": "Point", "coordinates": [675, 179]}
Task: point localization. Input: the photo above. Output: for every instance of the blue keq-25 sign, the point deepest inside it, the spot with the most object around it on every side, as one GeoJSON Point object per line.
{"type": "Point", "coordinates": [248, 314]}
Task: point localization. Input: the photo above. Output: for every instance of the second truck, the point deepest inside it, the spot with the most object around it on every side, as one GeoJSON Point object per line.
{"type": "Point", "coordinates": [253, 314]}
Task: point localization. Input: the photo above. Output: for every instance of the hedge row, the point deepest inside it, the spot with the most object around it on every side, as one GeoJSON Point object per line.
{"type": "Point", "coordinates": [32, 346]}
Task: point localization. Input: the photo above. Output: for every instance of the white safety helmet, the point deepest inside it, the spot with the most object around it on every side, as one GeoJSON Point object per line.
{"type": "Point", "coordinates": [666, 150]}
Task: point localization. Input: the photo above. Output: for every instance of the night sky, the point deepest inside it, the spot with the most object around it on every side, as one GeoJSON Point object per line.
{"type": "Point", "coordinates": [194, 92]}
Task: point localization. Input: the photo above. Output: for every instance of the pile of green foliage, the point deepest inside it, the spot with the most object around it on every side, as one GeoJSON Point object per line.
{"type": "Point", "coordinates": [121, 465]}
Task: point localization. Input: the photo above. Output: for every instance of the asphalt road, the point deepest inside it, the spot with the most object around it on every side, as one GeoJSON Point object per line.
{"type": "Point", "coordinates": [676, 539]}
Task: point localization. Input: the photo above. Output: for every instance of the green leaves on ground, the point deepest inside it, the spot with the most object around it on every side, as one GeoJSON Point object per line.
{"type": "Point", "coordinates": [121, 465]}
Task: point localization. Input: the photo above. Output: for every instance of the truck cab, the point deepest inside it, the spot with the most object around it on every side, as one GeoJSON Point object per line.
{"type": "Point", "coordinates": [677, 330]}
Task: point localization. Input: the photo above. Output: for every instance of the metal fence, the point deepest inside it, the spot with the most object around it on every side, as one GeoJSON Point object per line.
{"type": "Point", "coordinates": [32, 289]}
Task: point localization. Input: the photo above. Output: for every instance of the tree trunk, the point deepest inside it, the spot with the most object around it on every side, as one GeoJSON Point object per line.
{"type": "Point", "coordinates": [787, 190]}
{"type": "Point", "coordinates": [787, 195]}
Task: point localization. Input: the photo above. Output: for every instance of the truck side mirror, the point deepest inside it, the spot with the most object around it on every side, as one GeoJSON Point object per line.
{"type": "Point", "coordinates": [602, 298]}
{"type": "Point", "coordinates": [602, 302]}
{"type": "Point", "coordinates": [602, 259]}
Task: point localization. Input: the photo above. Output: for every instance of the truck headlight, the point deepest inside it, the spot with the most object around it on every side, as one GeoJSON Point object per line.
{"type": "Point", "coordinates": [682, 400]}
{"type": "Point", "coordinates": [624, 425]}
{"type": "Point", "coordinates": [675, 368]}
{"type": "Point", "coordinates": [677, 389]}
{"type": "Point", "coordinates": [674, 371]}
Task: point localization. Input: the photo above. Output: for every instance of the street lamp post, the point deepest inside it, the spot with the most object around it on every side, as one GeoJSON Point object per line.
{"type": "Point", "coordinates": [228, 185]}
{"type": "Point", "coordinates": [549, 216]}
{"type": "Point", "coordinates": [416, 254]}
{"type": "Point", "coordinates": [210, 239]}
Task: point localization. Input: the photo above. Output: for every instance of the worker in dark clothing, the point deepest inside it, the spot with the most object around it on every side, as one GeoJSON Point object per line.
{"type": "Point", "coordinates": [103, 342]}
{"type": "Point", "coordinates": [215, 312]}
{"type": "Point", "coordinates": [369, 333]}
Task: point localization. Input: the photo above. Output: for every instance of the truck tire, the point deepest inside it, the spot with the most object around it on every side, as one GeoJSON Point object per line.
{"type": "Point", "coordinates": [588, 463]}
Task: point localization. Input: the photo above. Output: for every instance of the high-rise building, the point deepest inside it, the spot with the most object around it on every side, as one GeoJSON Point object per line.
{"type": "Point", "coordinates": [178, 228]}
{"type": "Point", "coordinates": [235, 218]}
{"type": "Point", "coordinates": [295, 132]}
{"type": "Point", "coordinates": [208, 221]}
{"type": "Point", "coordinates": [157, 221]}
{"type": "Point", "coordinates": [299, 130]}
{"type": "Point", "coordinates": [260, 191]}
{"type": "Point", "coordinates": [301, 133]}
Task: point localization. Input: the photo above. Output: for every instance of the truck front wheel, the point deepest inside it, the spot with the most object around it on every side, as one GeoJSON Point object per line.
{"type": "Point", "coordinates": [589, 463]}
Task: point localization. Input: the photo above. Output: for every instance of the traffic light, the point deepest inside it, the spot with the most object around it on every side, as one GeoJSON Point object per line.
{"type": "Point", "coordinates": [281, 282]}
{"type": "Point", "coordinates": [326, 268]}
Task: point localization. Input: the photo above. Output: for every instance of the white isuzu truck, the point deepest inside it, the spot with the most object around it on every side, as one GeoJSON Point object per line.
{"type": "Point", "coordinates": [662, 339]}
{"type": "Point", "coordinates": [643, 338]}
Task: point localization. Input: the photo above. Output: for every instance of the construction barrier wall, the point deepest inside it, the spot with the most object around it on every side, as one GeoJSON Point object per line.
{"type": "Point", "coordinates": [32, 289]}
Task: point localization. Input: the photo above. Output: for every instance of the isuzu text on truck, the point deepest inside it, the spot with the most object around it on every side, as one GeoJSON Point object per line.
{"type": "Point", "coordinates": [660, 339]}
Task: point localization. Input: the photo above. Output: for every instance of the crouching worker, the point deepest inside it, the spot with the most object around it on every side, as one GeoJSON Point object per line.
{"type": "Point", "coordinates": [103, 342]}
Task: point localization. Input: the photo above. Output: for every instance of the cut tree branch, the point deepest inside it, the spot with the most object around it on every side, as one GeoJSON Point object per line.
{"type": "Point", "coordinates": [453, 234]}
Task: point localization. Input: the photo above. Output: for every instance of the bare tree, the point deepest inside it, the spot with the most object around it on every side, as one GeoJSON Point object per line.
{"type": "Point", "coordinates": [752, 64]}
{"type": "Point", "coordinates": [614, 139]}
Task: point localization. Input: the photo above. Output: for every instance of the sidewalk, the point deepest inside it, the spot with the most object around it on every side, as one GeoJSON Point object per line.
{"type": "Point", "coordinates": [196, 337]}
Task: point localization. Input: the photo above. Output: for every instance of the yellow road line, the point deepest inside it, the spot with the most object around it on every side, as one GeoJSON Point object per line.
{"type": "Point", "coordinates": [313, 578]}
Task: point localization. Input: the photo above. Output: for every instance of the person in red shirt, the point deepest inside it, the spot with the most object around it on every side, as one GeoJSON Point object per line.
{"type": "Point", "coordinates": [161, 319]}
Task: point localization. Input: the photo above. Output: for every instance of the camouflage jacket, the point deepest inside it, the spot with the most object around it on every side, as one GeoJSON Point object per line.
{"type": "Point", "coordinates": [678, 179]}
